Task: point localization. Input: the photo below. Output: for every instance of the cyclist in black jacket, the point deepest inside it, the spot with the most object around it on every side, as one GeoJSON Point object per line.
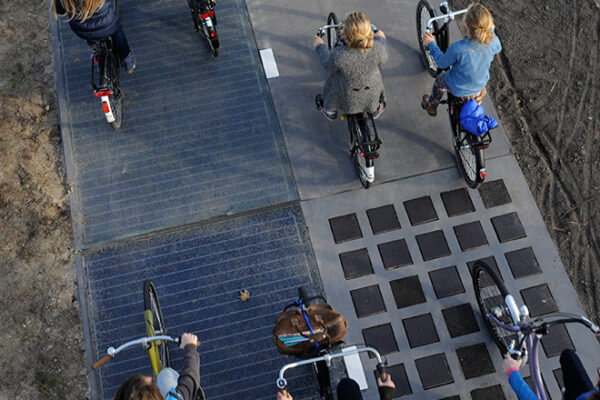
{"type": "Point", "coordinates": [348, 389]}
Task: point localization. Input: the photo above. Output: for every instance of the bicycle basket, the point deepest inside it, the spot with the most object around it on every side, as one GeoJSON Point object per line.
{"type": "Point", "coordinates": [304, 330]}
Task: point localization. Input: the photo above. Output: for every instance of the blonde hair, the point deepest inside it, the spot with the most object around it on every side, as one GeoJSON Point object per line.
{"type": "Point", "coordinates": [357, 33]}
{"type": "Point", "coordinates": [80, 11]}
{"type": "Point", "coordinates": [479, 21]}
{"type": "Point", "coordinates": [138, 387]}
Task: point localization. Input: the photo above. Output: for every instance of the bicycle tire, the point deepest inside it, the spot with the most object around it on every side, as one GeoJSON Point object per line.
{"type": "Point", "coordinates": [213, 41]}
{"type": "Point", "coordinates": [424, 13]}
{"type": "Point", "coordinates": [115, 91]}
{"type": "Point", "coordinates": [361, 163]}
{"type": "Point", "coordinates": [468, 158]}
{"type": "Point", "coordinates": [491, 293]}
{"type": "Point", "coordinates": [323, 380]}
{"type": "Point", "coordinates": [333, 34]}
{"type": "Point", "coordinates": [154, 322]}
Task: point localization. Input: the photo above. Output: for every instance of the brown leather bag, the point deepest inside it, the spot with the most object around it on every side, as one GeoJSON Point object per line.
{"type": "Point", "coordinates": [293, 336]}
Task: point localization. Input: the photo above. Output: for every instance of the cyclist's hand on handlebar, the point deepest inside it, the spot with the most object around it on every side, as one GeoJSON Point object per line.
{"type": "Point", "coordinates": [510, 363]}
{"type": "Point", "coordinates": [428, 38]}
{"type": "Point", "coordinates": [318, 41]}
{"type": "Point", "coordinates": [387, 382]}
{"type": "Point", "coordinates": [188, 338]}
{"type": "Point", "coordinates": [284, 395]}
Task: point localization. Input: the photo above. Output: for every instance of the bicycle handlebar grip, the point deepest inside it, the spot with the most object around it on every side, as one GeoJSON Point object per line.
{"type": "Point", "coordinates": [382, 371]}
{"type": "Point", "coordinates": [101, 361]}
{"type": "Point", "coordinates": [179, 341]}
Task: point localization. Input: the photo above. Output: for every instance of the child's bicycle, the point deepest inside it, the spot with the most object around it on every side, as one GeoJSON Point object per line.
{"type": "Point", "coordinates": [205, 21]}
{"type": "Point", "coordinates": [364, 139]}
{"type": "Point", "coordinates": [156, 339]}
{"type": "Point", "coordinates": [468, 147]}
{"type": "Point", "coordinates": [321, 360]}
{"type": "Point", "coordinates": [512, 329]}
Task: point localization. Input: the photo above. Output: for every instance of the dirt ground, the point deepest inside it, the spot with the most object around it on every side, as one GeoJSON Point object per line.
{"type": "Point", "coordinates": [545, 86]}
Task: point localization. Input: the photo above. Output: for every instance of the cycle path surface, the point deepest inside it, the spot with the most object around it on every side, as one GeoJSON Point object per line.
{"type": "Point", "coordinates": [149, 202]}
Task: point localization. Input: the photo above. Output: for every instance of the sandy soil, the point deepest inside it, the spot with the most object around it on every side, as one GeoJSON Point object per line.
{"type": "Point", "coordinates": [545, 86]}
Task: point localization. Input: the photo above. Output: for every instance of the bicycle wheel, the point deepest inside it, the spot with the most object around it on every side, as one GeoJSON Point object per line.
{"type": "Point", "coordinates": [153, 319]}
{"type": "Point", "coordinates": [114, 99]}
{"type": "Point", "coordinates": [333, 34]}
{"type": "Point", "coordinates": [210, 33]}
{"type": "Point", "coordinates": [424, 13]}
{"type": "Point", "coordinates": [323, 380]}
{"type": "Point", "coordinates": [365, 168]}
{"type": "Point", "coordinates": [469, 159]}
{"type": "Point", "coordinates": [491, 293]}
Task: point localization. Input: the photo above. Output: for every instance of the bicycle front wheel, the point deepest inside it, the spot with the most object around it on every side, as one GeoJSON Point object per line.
{"type": "Point", "coordinates": [153, 319]}
{"type": "Point", "coordinates": [424, 13]}
{"type": "Point", "coordinates": [491, 293]}
{"type": "Point", "coordinates": [333, 34]}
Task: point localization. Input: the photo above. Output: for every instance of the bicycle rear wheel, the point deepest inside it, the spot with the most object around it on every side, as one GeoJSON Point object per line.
{"type": "Point", "coordinates": [424, 13]}
{"type": "Point", "coordinates": [470, 160]}
{"type": "Point", "coordinates": [115, 89]}
{"type": "Point", "coordinates": [333, 34]}
{"type": "Point", "coordinates": [210, 33]}
{"type": "Point", "coordinates": [491, 293]}
{"type": "Point", "coordinates": [153, 319]}
{"type": "Point", "coordinates": [359, 134]}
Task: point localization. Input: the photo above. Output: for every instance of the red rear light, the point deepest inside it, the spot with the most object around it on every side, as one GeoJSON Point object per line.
{"type": "Point", "coordinates": [208, 14]}
{"type": "Point", "coordinates": [105, 107]}
{"type": "Point", "coordinates": [213, 34]}
{"type": "Point", "coordinates": [101, 93]}
{"type": "Point", "coordinates": [482, 173]}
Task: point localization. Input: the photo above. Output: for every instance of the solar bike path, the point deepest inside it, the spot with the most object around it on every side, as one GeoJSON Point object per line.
{"type": "Point", "coordinates": [199, 136]}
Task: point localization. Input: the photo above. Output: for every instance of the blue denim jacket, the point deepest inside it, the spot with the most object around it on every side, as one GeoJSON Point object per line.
{"type": "Point", "coordinates": [470, 64]}
{"type": "Point", "coordinates": [524, 392]}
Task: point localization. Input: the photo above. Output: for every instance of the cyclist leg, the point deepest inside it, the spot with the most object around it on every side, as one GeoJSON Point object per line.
{"type": "Point", "coordinates": [167, 380]}
{"type": "Point", "coordinates": [430, 102]}
{"type": "Point", "coordinates": [122, 46]}
{"type": "Point", "coordinates": [348, 389]}
{"type": "Point", "coordinates": [575, 379]}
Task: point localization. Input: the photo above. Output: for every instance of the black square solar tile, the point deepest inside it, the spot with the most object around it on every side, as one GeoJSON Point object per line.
{"type": "Point", "coordinates": [508, 227]}
{"type": "Point", "coordinates": [367, 301]}
{"type": "Point", "coordinates": [523, 263]}
{"type": "Point", "coordinates": [451, 398]}
{"type": "Point", "coordinates": [494, 193]}
{"type": "Point", "coordinates": [356, 263]}
{"type": "Point", "coordinates": [475, 360]}
{"type": "Point", "coordinates": [488, 393]}
{"type": "Point", "coordinates": [556, 341]}
{"type": "Point", "coordinates": [420, 330]}
{"type": "Point", "coordinates": [383, 219]}
{"type": "Point", "coordinates": [345, 227]}
{"type": "Point", "coordinates": [434, 371]}
{"type": "Point", "coordinates": [446, 282]}
{"type": "Point", "coordinates": [457, 202]}
{"type": "Point", "coordinates": [398, 372]}
{"type": "Point", "coordinates": [470, 236]}
{"type": "Point", "coordinates": [539, 300]}
{"type": "Point", "coordinates": [558, 375]}
{"type": "Point", "coordinates": [433, 245]}
{"type": "Point", "coordinates": [491, 261]}
{"type": "Point", "coordinates": [382, 338]}
{"type": "Point", "coordinates": [395, 254]}
{"type": "Point", "coordinates": [460, 320]}
{"type": "Point", "coordinates": [407, 291]}
{"type": "Point", "coordinates": [420, 211]}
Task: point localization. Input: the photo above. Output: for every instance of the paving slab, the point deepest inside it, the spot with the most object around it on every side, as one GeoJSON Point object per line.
{"type": "Point", "coordinates": [199, 137]}
{"type": "Point", "coordinates": [424, 314]}
{"type": "Point", "coordinates": [199, 273]}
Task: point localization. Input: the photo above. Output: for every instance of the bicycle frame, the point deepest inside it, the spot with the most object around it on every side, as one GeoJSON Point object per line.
{"type": "Point", "coordinates": [282, 382]}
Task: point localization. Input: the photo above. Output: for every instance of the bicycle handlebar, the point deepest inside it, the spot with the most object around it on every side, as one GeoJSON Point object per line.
{"type": "Point", "coordinates": [447, 17]}
{"type": "Point", "coordinates": [112, 352]}
{"type": "Point", "coordinates": [282, 382]}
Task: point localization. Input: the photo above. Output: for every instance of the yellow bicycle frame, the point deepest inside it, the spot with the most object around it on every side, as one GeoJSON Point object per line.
{"type": "Point", "coordinates": [153, 348]}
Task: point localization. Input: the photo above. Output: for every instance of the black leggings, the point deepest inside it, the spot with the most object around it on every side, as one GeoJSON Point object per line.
{"type": "Point", "coordinates": [575, 379]}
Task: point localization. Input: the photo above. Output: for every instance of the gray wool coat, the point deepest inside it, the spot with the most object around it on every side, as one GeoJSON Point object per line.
{"type": "Point", "coordinates": [354, 83]}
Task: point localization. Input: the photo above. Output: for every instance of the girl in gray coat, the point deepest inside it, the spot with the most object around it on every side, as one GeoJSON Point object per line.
{"type": "Point", "coordinates": [354, 83]}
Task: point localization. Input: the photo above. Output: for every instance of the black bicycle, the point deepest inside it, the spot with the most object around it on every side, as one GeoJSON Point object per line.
{"type": "Point", "coordinates": [321, 360]}
{"type": "Point", "coordinates": [205, 21]}
{"type": "Point", "coordinates": [468, 147]}
{"type": "Point", "coordinates": [364, 139]}
{"type": "Point", "coordinates": [106, 65]}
